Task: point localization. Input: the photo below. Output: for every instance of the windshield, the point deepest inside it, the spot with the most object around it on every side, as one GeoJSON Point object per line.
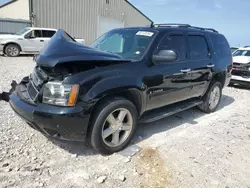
{"type": "Point", "coordinates": [242, 53]}
{"type": "Point", "coordinates": [22, 31]}
{"type": "Point", "coordinates": [128, 43]}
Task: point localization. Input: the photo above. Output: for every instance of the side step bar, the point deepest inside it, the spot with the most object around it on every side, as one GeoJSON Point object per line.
{"type": "Point", "coordinates": [170, 110]}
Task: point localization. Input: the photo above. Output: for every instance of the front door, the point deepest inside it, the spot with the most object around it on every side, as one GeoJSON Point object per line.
{"type": "Point", "coordinates": [200, 64]}
{"type": "Point", "coordinates": [33, 41]}
{"type": "Point", "coordinates": [168, 82]}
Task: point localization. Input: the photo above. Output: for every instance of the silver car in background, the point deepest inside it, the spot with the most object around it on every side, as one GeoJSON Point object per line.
{"type": "Point", "coordinates": [28, 40]}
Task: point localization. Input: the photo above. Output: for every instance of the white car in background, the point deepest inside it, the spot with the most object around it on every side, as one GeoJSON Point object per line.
{"type": "Point", "coordinates": [28, 40]}
{"type": "Point", "coordinates": [241, 67]}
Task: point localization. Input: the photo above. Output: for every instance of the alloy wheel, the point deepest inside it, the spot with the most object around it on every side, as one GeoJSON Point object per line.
{"type": "Point", "coordinates": [214, 97]}
{"type": "Point", "coordinates": [117, 127]}
{"type": "Point", "coordinates": [12, 51]}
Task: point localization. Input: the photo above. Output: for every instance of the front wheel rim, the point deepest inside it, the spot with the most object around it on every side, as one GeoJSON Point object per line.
{"type": "Point", "coordinates": [117, 127]}
{"type": "Point", "coordinates": [13, 51]}
{"type": "Point", "coordinates": [214, 97]}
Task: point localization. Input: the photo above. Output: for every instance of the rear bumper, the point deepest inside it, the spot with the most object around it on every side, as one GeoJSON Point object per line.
{"type": "Point", "coordinates": [65, 123]}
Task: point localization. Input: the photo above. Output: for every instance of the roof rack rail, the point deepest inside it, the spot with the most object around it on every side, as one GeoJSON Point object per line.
{"type": "Point", "coordinates": [170, 25]}
{"type": "Point", "coordinates": [183, 26]}
{"type": "Point", "coordinates": [205, 29]}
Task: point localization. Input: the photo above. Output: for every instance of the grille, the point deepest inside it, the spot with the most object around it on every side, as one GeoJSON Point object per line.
{"type": "Point", "coordinates": [35, 79]}
{"type": "Point", "coordinates": [241, 67]}
{"type": "Point", "coordinates": [236, 64]}
{"type": "Point", "coordinates": [241, 73]}
{"type": "Point", "coordinates": [33, 92]}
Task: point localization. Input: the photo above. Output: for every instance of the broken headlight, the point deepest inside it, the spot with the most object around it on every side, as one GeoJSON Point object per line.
{"type": "Point", "coordinates": [59, 94]}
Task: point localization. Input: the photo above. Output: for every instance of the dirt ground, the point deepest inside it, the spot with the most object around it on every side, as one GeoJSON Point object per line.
{"type": "Point", "coordinates": [190, 149]}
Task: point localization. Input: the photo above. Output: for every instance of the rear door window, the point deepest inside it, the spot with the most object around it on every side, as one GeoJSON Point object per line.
{"type": "Point", "coordinates": [198, 47]}
{"type": "Point", "coordinates": [48, 34]}
{"type": "Point", "coordinates": [37, 33]}
{"type": "Point", "coordinates": [175, 42]}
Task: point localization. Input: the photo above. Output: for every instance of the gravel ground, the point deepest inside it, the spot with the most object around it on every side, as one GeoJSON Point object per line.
{"type": "Point", "coordinates": [190, 149]}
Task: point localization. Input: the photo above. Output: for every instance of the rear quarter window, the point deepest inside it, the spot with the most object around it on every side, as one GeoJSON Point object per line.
{"type": "Point", "coordinates": [221, 46]}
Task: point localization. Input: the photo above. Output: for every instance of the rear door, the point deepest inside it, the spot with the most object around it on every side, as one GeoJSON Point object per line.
{"type": "Point", "coordinates": [47, 35]}
{"type": "Point", "coordinates": [200, 63]}
{"type": "Point", "coordinates": [168, 82]}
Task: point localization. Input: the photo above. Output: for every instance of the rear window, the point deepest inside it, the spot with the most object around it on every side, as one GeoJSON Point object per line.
{"type": "Point", "coordinates": [198, 47]}
{"type": "Point", "coordinates": [48, 34]}
{"type": "Point", "coordinates": [221, 46]}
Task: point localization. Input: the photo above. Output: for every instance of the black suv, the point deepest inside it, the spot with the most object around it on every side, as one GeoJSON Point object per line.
{"type": "Point", "coordinates": [129, 75]}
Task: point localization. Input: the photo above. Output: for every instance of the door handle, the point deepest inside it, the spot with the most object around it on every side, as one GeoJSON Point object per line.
{"type": "Point", "coordinates": [185, 70]}
{"type": "Point", "coordinates": [210, 65]}
{"type": "Point", "coordinates": [41, 40]}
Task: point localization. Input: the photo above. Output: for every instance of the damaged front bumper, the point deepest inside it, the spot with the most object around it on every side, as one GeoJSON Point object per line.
{"type": "Point", "coordinates": [65, 123]}
{"type": "Point", "coordinates": [241, 75]}
{"type": "Point", "coordinates": [241, 80]}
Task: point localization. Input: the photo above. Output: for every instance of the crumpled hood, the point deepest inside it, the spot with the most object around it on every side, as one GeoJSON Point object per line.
{"type": "Point", "coordinates": [61, 49]}
{"type": "Point", "coordinates": [241, 59]}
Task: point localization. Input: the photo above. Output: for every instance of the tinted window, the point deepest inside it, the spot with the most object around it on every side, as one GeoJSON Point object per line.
{"type": "Point", "coordinates": [198, 47]}
{"type": "Point", "coordinates": [175, 43]}
{"type": "Point", "coordinates": [48, 34]}
{"type": "Point", "coordinates": [221, 46]}
{"type": "Point", "coordinates": [37, 33]}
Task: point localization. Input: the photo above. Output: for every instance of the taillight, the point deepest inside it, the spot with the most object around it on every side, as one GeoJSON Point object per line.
{"type": "Point", "coordinates": [230, 68]}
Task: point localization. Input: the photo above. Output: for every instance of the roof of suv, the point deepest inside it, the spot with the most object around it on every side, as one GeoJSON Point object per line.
{"type": "Point", "coordinates": [179, 27]}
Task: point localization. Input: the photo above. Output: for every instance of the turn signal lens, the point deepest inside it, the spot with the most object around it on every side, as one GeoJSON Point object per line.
{"type": "Point", "coordinates": [73, 95]}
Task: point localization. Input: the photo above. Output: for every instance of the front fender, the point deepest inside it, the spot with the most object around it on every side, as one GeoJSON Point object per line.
{"type": "Point", "coordinates": [119, 79]}
{"type": "Point", "coordinates": [6, 41]}
{"type": "Point", "coordinates": [101, 82]}
{"type": "Point", "coordinates": [111, 86]}
{"type": "Point", "coordinates": [11, 41]}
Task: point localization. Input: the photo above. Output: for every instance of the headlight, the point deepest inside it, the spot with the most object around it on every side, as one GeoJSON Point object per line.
{"type": "Point", "coordinates": [56, 93]}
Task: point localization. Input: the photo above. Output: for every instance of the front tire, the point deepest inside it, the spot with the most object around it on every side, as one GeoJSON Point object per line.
{"type": "Point", "coordinates": [113, 125]}
{"type": "Point", "coordinates": [12, 50]}
{"type": "Point", "coordinates": [212, 98]}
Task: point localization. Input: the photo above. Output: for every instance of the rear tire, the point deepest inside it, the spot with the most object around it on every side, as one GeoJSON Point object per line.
{"type": "Point", "coordinates": [212, 98]}
{"type": "Point", "coordinates": [12, 50]}
{"type": "Point", "coordinates": [113, 125]}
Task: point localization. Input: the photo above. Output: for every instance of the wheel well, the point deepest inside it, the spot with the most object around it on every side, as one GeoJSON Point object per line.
{"type": "Point", "coordinates": [13, 44]}
{"type": "Point", "coordinates": [131, 95]}
{"type": "Point", "coordinates": [220, 77]}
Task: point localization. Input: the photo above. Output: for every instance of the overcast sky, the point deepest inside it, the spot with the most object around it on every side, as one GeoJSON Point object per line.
{"type": "Point", "coordinates": [229, 17]}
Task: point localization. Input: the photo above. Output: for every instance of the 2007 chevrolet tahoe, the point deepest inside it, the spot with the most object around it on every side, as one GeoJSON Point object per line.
{"type": "Point", "coordinates": [128, 75]}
